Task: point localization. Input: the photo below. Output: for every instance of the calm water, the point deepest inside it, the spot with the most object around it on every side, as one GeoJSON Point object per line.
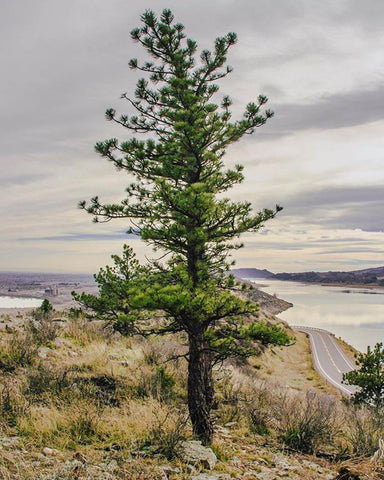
{"type": "Point", "coordinates": [357, 316]}
{"type": "Point", "coordinates": [12, 302]}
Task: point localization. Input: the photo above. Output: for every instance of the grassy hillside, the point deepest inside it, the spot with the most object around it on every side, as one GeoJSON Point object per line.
{"type": "Point", "coordinates": [79, 401]}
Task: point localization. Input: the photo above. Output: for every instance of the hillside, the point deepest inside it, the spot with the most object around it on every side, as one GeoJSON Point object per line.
{"type": "Point", "coordinates": [367, 276]}
{"type": "Point", "coordinates": [364, 277]}
{"type": "Point", "coordinates": [251, 273]}
{"type": "Point", "coordinates": [79, 401]}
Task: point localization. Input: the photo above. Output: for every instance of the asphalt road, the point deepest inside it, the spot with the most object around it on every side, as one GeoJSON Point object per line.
{"type": "Point", "coordinates": [328, 357]}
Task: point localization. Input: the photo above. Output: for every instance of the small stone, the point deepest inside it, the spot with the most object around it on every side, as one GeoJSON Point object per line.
{"type": "Point", "coordinates": [43, 352]}
{"type": "Point", "coordinates": [206, 476]}
{"type": "Point", "coordinates": [112, 466]}
{"type": "Point", "coordinates": [168, 469]}
{"type": "Point", "coordinates": [266, 476]}
{"type": "Point", "coordinates": [74, 466]}
{"type": "Point", "coordinates": [230, 424]}
{"type": "Point", "coordinates": [50, 451]}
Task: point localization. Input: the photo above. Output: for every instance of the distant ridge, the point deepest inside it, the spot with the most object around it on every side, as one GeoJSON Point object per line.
{"type": "Point", "coordinates": [379, 271]}
{"type": "Point", "coordinates": [252, 273]}
{"type": "Point", "coordinates": [367, 276]}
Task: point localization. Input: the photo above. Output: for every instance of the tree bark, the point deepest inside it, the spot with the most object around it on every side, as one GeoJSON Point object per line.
{"type": "Point", "coordinates": [200, 388]}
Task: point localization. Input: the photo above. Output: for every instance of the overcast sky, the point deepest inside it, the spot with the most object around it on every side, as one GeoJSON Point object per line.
{"type": "Point", "coordinates": [320, 63]}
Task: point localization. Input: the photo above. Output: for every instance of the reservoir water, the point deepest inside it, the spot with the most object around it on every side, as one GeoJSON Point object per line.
{"type": "Point", "coordinates": [354, 314]}
{"type": "Point", "coordinates": [14, 302]}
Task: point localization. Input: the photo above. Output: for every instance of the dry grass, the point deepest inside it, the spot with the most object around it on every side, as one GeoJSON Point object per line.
{"type": "Point", "coordinates": [291, 364]}
{"type": "Point", "coordinates": [108, 396]}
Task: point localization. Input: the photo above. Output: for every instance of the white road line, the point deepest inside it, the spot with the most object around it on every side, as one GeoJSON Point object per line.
{"type": "Point", "coordinates": [328, 353]}
{"type": "Point", "coordinates": [344, 357]}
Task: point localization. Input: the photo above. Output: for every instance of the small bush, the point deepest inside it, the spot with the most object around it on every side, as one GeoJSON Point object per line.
{"type": "Point", "coordinates": [84, 332]}
{"type": "Point", "coordinates": [158, 384]}
{"type": "Point", "coordinates": [162, 385]}
{"type": "Point", "coordinates": [100, 388]}
{"type": "Point", "coordinates": [363, 429]}
{"type": "Point", "coordinates": [308, 424]}
{"type": "Point", "coordinates": [45, 384]}
{"type": "Point", "coordinates": [17, 350]}
{"type": "Point", "coordinates": [42, 330]}
{"type": "Point", "coordinates": [44, 311]}
{"type": "Point", "coordinates": [84, 423]}
{"type": "Point", "coordinates": [260, 411]}
{"type": "Point", "coordinates": [167, 433]}
{"type": "Point", "coordinates": [12, 403]}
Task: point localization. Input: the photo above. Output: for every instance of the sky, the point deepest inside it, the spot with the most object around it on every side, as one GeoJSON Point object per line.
{"type": "Point", "coordinates": [321, 64]}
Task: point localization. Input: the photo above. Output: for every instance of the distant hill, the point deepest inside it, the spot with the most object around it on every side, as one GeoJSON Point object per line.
{"type": "Point", "coordinates": [378, 271]}
{"type": "Point", "coordinates": [368, 276]}
{"type": "Point", "coordinates": [252, 273]}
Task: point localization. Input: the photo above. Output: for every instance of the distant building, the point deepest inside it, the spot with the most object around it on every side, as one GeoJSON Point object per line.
{"type": "Point", "coordinates": [52, 291]}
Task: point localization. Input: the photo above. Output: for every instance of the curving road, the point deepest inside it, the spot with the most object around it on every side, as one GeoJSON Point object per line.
{"type": "Point", "coordinates": [328, 358]}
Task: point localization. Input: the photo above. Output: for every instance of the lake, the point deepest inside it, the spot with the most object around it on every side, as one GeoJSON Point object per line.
{"type": "Point", "coordinates": [14, 302]}
{"type": "Point", "coordinates": [354, 314]}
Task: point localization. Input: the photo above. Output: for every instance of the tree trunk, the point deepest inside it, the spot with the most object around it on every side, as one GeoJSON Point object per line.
{"type": "Point", "coordinates": [200, 387]}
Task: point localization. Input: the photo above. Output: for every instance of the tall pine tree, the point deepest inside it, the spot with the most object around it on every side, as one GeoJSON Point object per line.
{"type": "Point", "coordinates": [176, 203]}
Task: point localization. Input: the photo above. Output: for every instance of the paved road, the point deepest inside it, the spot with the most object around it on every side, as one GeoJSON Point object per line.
{"type": "Point", "coordinates": [328, 357]}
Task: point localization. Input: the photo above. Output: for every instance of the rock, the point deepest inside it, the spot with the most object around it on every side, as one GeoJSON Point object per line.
{"type": "Point", "coordinates": [43, 352]}
{"type": "Point", "coordinates": [281, 462]}
{"type": "Point", "coordinates": [112, 466]}
{"type": "Point", "coordinates": [195, 453]}
{"type": "Point", "coordinates": [168, 469]}
{"type": "Point", "coordinates": [266, 476]}
{"type": "Point", "coordinates": [9, 442]}
{"type": "Point", "coordinates": [50, 451]}
{"type": "Point", "coordinates": [230, 424]}
{"type": "Point", "coordinates": [206, 476]}
{"type": "Point", "coordinates": [74, 467]}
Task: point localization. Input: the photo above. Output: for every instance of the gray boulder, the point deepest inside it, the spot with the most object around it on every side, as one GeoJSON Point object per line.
{"type": "Point", "coordinates": [195, 453]}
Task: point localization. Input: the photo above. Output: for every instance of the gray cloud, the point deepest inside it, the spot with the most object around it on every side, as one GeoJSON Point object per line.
{"type": "Point", "coordinates": [354, 207]}
{"type": "Point", "coordinates": [331, 111]}
{"type": "Point", "coordinates": [76, 237]}
{"type": "Point", "coordinates": [64, 63]}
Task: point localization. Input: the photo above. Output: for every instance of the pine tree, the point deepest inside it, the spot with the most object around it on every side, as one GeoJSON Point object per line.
{"type": "Point", "coordinates": [176, 203]}
{"type": "Point", "coordinates": [369, 376]}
